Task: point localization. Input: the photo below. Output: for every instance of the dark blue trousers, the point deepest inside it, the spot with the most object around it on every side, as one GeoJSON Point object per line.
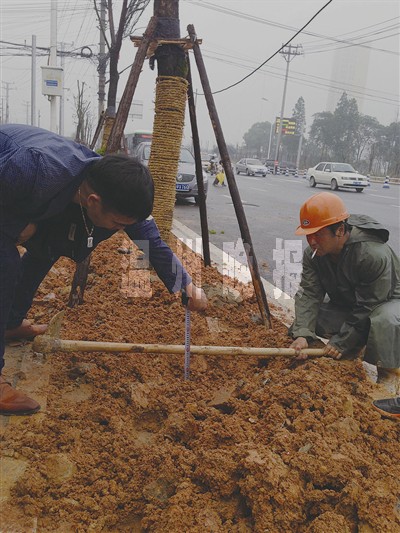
{"type": "Point", "coordinates": [19, 280]}
{"type": "Point", "coordinates": [61, 235]}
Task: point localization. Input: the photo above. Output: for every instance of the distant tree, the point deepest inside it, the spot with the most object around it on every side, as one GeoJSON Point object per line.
{"type": "Point", "coordinates": [291, 142]}
{"type": "Point", "coordinates": [130, 12]}
{"type": "Point", "coordinates": [346, 121]}
{"type": "Point", "coordinates": [83, 115]}
{"type": "Point", "coordinates": [388, 150]}
{"type": "Point", "coordinates": [257, 139]}
{"type": "Point", "coordinates": [299, 113]}
{"type": "Point", "coordinates": [367, 134]}
{"type": "Point", "coordinates": [393, 135]}
{"type": "Point", "coordinates": [345, 135]}
{"type": "Point", "coordinates": [322, 133]}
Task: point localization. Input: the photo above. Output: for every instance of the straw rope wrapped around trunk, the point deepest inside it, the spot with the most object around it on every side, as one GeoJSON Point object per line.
{"type": "Point", "coordinates": [171, 94]}
{"type": "Point", "coordinates": [108, 125]}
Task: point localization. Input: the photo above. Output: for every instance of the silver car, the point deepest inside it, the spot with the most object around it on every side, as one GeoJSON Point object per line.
{"type": "Point", "coordinates": [251, 167]}
{"type": "Point", "coordinates": [186, 183]}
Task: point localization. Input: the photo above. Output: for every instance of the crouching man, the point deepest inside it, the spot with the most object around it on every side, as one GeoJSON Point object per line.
{"type": "Point", "coordinates": [350, 287]}
{"type": "Point", "coordinates": [59, 198]}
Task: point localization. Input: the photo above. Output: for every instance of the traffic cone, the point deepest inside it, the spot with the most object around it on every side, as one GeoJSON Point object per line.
{"type": "Point", "coordinates": [369, 180]}
{"type": "Point", "coordinates": [287, 172]}
{"type": "Point", "coordinates": [296, 173]}
{"type": "Point", "coordinates": [304, 174]}
{"type": "Point", "coordinates": [386, 183]}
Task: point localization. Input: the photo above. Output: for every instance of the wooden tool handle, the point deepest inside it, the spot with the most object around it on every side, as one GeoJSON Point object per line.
{"type": "Point", "coordinates": [46, 344]}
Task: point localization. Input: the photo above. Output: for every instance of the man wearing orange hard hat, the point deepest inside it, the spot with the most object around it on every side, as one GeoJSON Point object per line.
{"type": "Point", "coordinates": [349, 290]}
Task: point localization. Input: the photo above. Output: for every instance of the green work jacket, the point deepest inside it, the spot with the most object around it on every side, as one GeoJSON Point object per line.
{"type": "Point", "coordinates": [366, 275]}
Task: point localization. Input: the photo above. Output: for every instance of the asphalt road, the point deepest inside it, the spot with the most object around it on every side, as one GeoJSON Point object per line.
{"type": "Point", "coordinates": [272, 210]}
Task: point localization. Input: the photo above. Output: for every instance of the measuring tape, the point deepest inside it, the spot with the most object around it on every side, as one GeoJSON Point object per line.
{"type": "Point", "coordinates": [186, 371]}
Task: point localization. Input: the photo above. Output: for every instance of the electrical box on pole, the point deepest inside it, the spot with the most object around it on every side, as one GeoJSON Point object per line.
{"type": "Point", "coordinates": [52, 81]}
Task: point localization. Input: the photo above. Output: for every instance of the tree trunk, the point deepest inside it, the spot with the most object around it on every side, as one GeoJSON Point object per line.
{"type": "Point", "coordinates": [170, 103]}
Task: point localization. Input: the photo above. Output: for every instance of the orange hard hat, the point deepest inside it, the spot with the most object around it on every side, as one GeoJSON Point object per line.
{"type": "Point", "coordinates": [319, 211]}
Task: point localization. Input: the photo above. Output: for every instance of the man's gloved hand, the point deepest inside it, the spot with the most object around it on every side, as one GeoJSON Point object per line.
{"type": "Point", "coordinates": [197, 298]}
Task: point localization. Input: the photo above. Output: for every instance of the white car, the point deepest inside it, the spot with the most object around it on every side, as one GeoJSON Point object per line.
{"type": "Point", "coordinates": [336, 175]}
{"type": "Point", "coordinates": [251, 167]}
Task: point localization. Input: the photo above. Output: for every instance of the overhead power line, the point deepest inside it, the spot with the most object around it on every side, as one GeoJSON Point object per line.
{"type": "Point", "coordinates": [316, 84]}
{"type": "Point", "coordinates": [246, 16]}
{"type": "Point", "coordinates": [277, 51]}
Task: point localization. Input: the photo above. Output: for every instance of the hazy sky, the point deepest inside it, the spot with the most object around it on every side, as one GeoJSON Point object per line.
{"type": "Point", "coordinates": [237, 37]}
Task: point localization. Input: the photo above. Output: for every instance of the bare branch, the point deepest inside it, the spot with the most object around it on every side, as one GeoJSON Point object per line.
{"type": "Point", "coordinates": [134, 12]}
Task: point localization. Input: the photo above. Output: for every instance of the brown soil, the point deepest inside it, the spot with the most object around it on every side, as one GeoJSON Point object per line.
{"type": "Point", "coordinates": [247, 444]}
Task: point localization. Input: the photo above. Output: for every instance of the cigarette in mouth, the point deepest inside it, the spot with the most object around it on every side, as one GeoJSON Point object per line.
{"type": "Point", "coordinates": [313, 255]}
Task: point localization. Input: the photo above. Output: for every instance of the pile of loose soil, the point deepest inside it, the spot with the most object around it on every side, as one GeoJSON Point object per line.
{"type": "Point", "coordinates": [247, 444]}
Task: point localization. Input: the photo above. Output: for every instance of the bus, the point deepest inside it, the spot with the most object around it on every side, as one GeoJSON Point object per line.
{"type": "Point", "coordinates": [138, 136]}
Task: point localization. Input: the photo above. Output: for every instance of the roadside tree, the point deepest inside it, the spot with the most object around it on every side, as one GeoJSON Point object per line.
{"type": "Point", "coordinates": [346, 122]}
{"type": "Point", "coordinates": [290, 143]}
{"type": "Point", "coordinates": [83, 116]}
{"type": "Point", "coordinates": [256, 139]}
{"type": "Point", "coordinates": [388, 150]}
{"type": "Point", "coordinates": [130, 12]}
{"type": "Point", "coordinates": [368, 134]}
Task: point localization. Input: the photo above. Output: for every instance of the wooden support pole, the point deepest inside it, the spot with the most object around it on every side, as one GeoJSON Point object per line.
{"type": "Point", "coordinates": [114, 141]}
{"type": "Point", "coordinates": [237, 202]}
{"type": "Point", "coordinates": [99, 127]}
{"type": "Point", "coordinates": [199, 170]}
{"type": "Point", "coordinates": [79, 283]}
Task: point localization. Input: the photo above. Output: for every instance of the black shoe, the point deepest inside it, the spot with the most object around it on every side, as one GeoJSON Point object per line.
{"type": "Point", "coordinates": [388, 407]}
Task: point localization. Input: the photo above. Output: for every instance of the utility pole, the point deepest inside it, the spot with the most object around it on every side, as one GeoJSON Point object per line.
{"type": "Point", "coordinates": [62, 97]}
{"type": "Point", "coordinates": [33, 82]}
{"type": "Point", "coordinates": [26, 104]}
{"type": "Point", "coordinates": [101, 69]}
{"type": "Point", "coordinates": [289, 53]}
{"type": "Point", "coordinates": [61, 110]}
{"type": "Point", "coordinates": [302, 131]}
{"type": "Point", "coordinates": [7, 115]}
{"type": "Point", "coordinates": [270, 139]}
{"type": "Point", "coordinates": [53, 61]}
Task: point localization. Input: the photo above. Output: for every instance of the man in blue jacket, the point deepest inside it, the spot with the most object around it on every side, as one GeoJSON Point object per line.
{"type": "Point", "coordinates": [59, 198]}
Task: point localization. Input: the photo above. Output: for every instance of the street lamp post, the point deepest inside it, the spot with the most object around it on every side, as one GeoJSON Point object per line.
{"type": "Point", "coordinates": [270, 132]}
{"type": "Point", "coordinates": [270, 139]}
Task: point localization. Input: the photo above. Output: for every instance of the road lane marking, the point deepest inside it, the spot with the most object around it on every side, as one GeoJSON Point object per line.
{"type": "Point", "coordinates": [380, 196]}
